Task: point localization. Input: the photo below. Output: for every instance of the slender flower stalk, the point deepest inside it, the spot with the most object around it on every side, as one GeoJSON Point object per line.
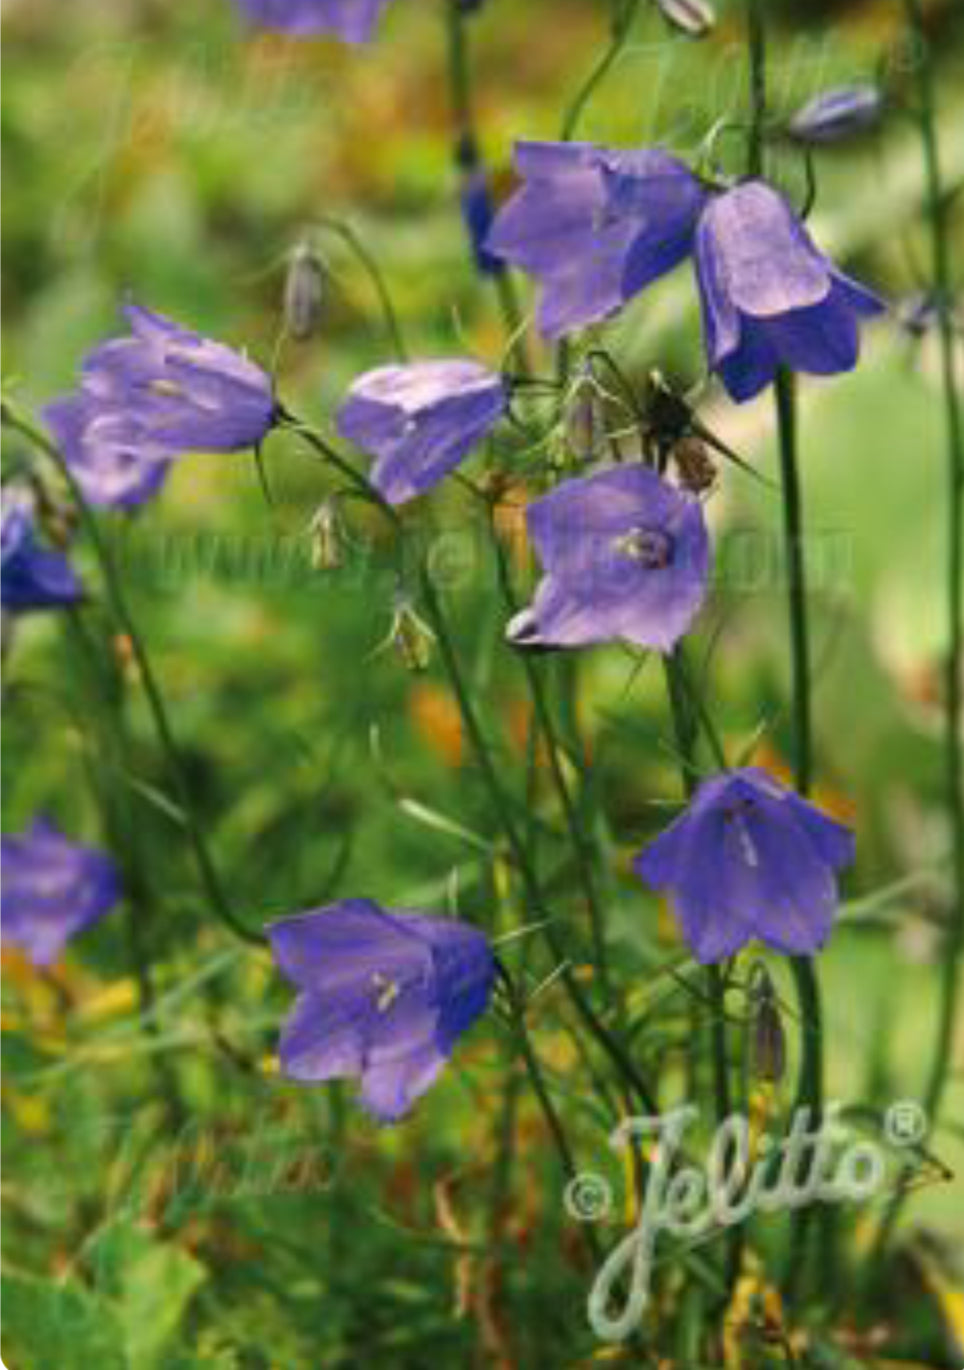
{"type": "Point", "coordinates": [937, 217]}
{"type": "Point", "coordinates": [549, 1111]}
{"type": "Point", "coordinates": [369, 265]}
{"type": "Point", "coordinates": [581, 842]}
{"type": "Point", "coordinates": [467, 150]}
{"type": "Point", "coordinates": [954, 664]}
{"type": "Point", "coordinates": [623, 14]}
{"type": "Point", "coordinates": [806, 982]}
{"type": "Point", "coordinates": [686, 727]}
{"type": "Point", "coordinates": [534, 895]}
{"type": "Point", "coordinates": [110, 747]}
{"type": "Point", "coordinates": [216, 896]}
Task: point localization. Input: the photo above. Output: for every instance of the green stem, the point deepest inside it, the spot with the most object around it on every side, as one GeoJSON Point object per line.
{"type": "Point", "coordinates": [624, 12]}
{"type": "Point", "coordinates": [460, 82]}
{"type": "Point", "coordinates": [467, 149]}
{"type": "Point", "coordinates": [954, 664]}
{"type": "Point", "coordinates": [758, 97]}
{"type": "Point", "coordinates": [686, 728]}
{"type": "Point", "coordinates": [549, 1112]}
{"type": "Point", "coordinates": [534, 895]}
{"type": "Point", "coordinates": [216, 896]}
{"type": "Point", "coordinates": [374, 273]}
{"type": "Point", "coordinates": [104, 722]}
{"type": "Point", "coordinates": [937, 215]}
{"type": "Point", "coordinates": [796, 577]}
{"type": "Point", "coordinates": [581, 844]}
{"type": "Point", "coordinates": [810, 1084]}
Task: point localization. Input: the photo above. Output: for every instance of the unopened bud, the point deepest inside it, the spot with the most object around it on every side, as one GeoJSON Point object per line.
{"type": "Point", "coordinates": [768, 1050]}
{"type": "Point", "coordinates": [326, 534]}
{"type": "Point", "coordinates": [304, 293]}
{"type": "Point", "coordinates": [837, 115]}
{"type": "Point", "coordinates": [583, 421]}
{"type": "Point", "coordinates": [692, 17]}
{"type": "Point", "coordinates": [411, 637]}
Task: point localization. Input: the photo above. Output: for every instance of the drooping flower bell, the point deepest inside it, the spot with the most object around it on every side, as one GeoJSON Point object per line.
{"type": "Point", "coordinates": [52, 889]}
{"type": "Point", "coordinates": [352, 20]}
{"type": "Point", "coordinates": [749, 859]}
{"type": "Point", "coordinates": [594, 226]}
{"type": "Point", "coordinates": [625, 554]}
{"type": "Point", "coordinates": [151, 396]}
{"type": "Point", "coordinates": [419, 420]}
{"type": "Point", "coordinates": [770, 297]}
{"type": "Point", "coordinates": [32, 576]}
{"type": "Point", "coordinates": [110, 454]}
{"type": "Point", "coordinates": [384, 997]}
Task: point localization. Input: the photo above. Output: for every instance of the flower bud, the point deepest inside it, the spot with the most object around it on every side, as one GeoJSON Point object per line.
{"type": "Point", "coordinates": [304, 293]}
{"type": "Point", "coordinates": [582, 420]}
{"type": "Point", "coordinates": [411, 637]}
{"type": "Point", "coordinates": [768, 1051]}
{"type": "Point", "coordinates": [838, 114]}
{"type": "Point", "coordinates": [326, 534]}
{"type": "Point", "coordinates": [693, 17]}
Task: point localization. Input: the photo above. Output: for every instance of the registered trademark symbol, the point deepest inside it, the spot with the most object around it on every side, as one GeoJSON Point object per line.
{"type": "Point", "coordinates": [905, 1123]}
{"type": "Point", "coordinates": [588, 1197]}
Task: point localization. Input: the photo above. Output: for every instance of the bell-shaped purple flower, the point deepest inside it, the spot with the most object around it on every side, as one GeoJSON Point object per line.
{"type": "Point", "coordinates": [352, 20]}
{"type": "Point", "coordinates": [749, 860]}
{"type": "Point", "coordinates": [594, 226]}
{"type": "Point", "coordinates": [32, 576]}
{"type": "Point", "coordinates": [626, 555]}
{"type": "Point", "coordinates": [52, 889]}
{"type": "Point", "coordinates": [769, 296]}
{"type": "Point", "coordinates": [419, 420]}
{"type": "Point", "coordinates": [153, 395]}
{"type": "Point", "coordinates": [110, 455]}
{"type": "Point", "coordinates": [383, 997]}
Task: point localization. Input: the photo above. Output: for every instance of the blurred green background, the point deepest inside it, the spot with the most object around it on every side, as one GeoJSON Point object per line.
{"type": "Point", "coordinates": [159, 149]}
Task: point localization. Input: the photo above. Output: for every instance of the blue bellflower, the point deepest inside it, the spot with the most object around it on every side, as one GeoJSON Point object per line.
{"type": "Point", "coordinates": [151, 396]}
{"type": "Point", "coordinates": [110, 455]}
{"type": "Point", "coordinates": [419, 420]}
{"type": "Point", "coordinates": [352, 20]}
{"type": "Point", "coordinates": [383, 997]}
{"type": "Point", "coordinates": [594, 226]}
{"type": "Point", "coordinates": [626, 555]}
{"type": "Point", "coordinates": [770, 297]}
{"type": "Point", "coordinates": [52, 889]}
{"type": "Point", "coordinates": [749, 860]}
{"type": "Point", "coordinates": [32, 576]}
